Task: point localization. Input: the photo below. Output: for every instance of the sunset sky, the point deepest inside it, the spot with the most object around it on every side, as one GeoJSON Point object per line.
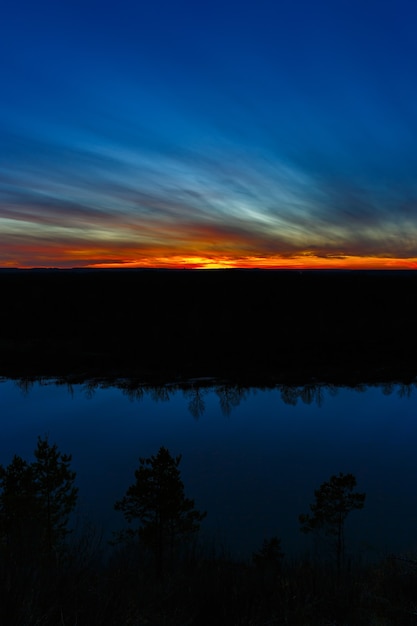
{"type": "Point", "coordinates": [275, 133]}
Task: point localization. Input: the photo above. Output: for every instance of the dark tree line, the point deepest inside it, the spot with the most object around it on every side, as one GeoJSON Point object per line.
{"type": "Point", "coordinates": [37, 499]}
{"type": "Point", "coordinates": [360, 329]}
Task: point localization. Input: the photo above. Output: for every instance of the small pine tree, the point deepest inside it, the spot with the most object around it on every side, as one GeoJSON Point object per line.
{"type": "Point", "coordinates": [36, 500]}
{"type": "Point", "coordinates": [335, 499]}
{"type": "Point", "coordinates": [156, 501]}
{"type": "Point", "coordinates": [270, 556]}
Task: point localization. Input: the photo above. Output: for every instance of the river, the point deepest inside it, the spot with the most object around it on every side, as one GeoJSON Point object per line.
{"type": "Point", "coordinates": [251, 458]}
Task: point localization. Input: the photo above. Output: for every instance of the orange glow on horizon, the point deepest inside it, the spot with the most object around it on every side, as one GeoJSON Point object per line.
{"type": "Point", "coordinates": [195, 246]}
{"type": "Point", "coordinates": [68, 256]}
{"type": "Point", "coordinates": [300, 262]}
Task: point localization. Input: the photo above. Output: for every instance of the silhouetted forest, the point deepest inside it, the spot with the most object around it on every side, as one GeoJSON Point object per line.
{"type": "Point", "coordinates": [247, 325]}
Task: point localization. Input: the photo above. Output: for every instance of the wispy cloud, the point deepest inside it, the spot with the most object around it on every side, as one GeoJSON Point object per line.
{"type": "Point", "coordinates": [90, 204]}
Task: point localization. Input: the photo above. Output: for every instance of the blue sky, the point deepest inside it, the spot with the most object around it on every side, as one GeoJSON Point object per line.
{"type": "Point", "coordinates": [208, 134]}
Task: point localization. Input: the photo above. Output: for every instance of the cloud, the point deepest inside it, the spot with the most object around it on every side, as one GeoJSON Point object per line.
{"type": "Point", "coordinates": [84, 203]}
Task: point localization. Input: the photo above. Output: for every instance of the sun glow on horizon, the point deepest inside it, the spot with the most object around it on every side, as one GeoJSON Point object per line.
{"type": "Point", "coordinates": [299, 262]}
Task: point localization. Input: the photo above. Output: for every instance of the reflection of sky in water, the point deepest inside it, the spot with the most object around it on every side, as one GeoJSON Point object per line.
{"type": "Point", "coordinates": [254, 470]}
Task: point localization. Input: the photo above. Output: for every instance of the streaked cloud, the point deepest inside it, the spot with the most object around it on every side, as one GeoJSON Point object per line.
{"type": "Point", "coordinates": [285, 140]}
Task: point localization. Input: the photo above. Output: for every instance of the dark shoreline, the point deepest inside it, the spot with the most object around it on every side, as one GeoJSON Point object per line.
{"type": "Point", "coordinates": [255, 327]}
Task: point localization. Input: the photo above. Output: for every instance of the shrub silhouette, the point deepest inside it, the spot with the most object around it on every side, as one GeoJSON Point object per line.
{"type": "Point", "coordinates": [157, 502]}
{"type": "Point", "coordinates": [334, 501]}
{"type": "Point", "coordinates": [270, 556]}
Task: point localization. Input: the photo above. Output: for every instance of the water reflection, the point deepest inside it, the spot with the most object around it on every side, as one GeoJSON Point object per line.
{"type": "Point", "coordinates": [230, 395]}
{"type": "Point", "coordinates": [252, 457]}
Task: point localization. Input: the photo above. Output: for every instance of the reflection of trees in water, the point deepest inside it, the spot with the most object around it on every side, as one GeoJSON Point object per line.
{"type": "Point", "coordinates": [161, 393]}
{"type": "Point", "coordinates": [307, 394]}
{"type": "Point", "coordinates": [289, 394]}
{"type": "Point", "coordinates": [89, 389]}
{"type": "Point", "coordinates": [316, 392]}
{"type": "Point", "coordinates": [133, 391]}
{"type": "Point", "coordinates": [404, 390]}
{"type": "Point", "coordinates": [136, 391]}
{"type": "Point", "coordinates": [25, 385]}
{"type": "Point", "coordinates": [332, 390]}
{"type": "Point", "coordinates": [196, 404]}
{"type": "Point", "coordinates": [387, 389]}
{"type": "Point", "coordinates": [230, 395]}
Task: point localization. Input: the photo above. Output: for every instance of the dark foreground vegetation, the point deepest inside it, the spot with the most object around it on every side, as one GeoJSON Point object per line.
{"type": "Point", "coordinates": [251, 326]}
{"type": "Point", "coordinates": [158, 574]}
{"type": "Point", "coordinates": [203, 589]}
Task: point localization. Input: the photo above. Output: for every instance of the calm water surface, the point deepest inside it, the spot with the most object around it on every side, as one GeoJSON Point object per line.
{"type": "Point", "coordinates": [253, 465]}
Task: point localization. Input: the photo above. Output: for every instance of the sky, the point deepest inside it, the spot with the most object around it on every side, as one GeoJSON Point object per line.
{"type": "Point", "coordinates": [208, 134]}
